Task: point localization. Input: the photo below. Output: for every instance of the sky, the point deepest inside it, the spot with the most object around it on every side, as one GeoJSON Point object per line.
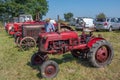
{"type": "Point", "coordinates": [83, 8]}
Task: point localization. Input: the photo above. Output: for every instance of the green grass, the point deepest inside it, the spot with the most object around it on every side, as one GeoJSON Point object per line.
{"type": "Point", "coordinates": [15, 64]}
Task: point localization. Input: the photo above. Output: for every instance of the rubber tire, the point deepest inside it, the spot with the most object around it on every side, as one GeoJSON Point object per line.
{"type": "Point", "coordinates": [93, 50]}
{"type": "Point", "coordinates": [18, 40]}
{"type": "Point", "coordinates": [47, 63]}
{"type": "Point", "coordinates": [110, 29]}
{"type": "Point", "coordinates": [33, 63]}
{"type": "Point", "coordinates": [15, 36]}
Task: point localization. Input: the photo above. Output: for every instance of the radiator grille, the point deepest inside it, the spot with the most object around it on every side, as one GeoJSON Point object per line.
{"type": "Point", "coordinates": [32, 30]}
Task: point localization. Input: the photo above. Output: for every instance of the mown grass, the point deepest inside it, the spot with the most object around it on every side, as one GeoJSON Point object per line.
{"type": "Point", "coordinates": [15, 64]}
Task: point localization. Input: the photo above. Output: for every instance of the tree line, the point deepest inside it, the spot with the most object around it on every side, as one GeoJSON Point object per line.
{"type": "Point", "coordinates": [13, 8]}
{"type": "Point", "coordinates": [68, 16]}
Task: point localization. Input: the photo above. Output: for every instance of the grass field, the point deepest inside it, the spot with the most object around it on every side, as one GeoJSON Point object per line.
{"type": "Point", "coordinates": [15, 64]}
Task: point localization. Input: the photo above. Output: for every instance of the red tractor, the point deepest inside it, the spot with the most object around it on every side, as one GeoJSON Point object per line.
{"type": "Point", "coordinates": [13, 27]}
{"type": "Point", "coordinates": [27, 34]}
{"type": "Point", "coordinates": [9, 25]}
{"type": "Point", "coordinates": [96, 49]}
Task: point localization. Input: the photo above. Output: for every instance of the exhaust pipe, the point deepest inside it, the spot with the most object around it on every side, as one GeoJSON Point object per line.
{"type": "Point", "coordinates": [58, 23]}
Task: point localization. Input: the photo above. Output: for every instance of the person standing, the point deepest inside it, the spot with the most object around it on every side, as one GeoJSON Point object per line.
{"type": "Point", "coordinates": [49, 27]}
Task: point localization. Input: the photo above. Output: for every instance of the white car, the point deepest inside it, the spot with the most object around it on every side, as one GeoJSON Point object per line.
{"type": "Point", "coordinates": [85, 24]}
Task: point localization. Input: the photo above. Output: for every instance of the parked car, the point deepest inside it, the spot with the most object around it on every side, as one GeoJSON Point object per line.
{"type": "Point", "coordinates": [118, 19]}
{"type": "Point", "coordinates": [73, 21]}
{"type": "Point", "coordinates": [108, 24]}
{"type": "Point", "coordinates": [85, 24]}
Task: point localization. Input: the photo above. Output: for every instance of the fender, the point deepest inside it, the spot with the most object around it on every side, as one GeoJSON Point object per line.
{"type": "Point", "coordinates": [94, 40]}
{"type": "Point", "coordinates": [67, 27]}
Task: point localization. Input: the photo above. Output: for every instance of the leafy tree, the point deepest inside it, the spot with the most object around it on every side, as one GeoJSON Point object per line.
{"type": "Point", "coordinates": [68, 16]}
{"type": "Point", "coordinates": [101, 16]}
{"type": "Point", "coordinates": [15, 7]}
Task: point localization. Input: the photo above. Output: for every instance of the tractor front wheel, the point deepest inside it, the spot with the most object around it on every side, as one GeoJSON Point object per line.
{"type": "Point", "coordinates": [15, 36]}
{"type": "Point", "coordinates": [101, 54]}
{"type": "Point", "coordinates": [27, 42]}
{"type": "Point", "coordinates": [38, 58]}
{"type": "Point", "coordinates": [17, 41]}
{"type": "Point", "coordinates": [49, 69]}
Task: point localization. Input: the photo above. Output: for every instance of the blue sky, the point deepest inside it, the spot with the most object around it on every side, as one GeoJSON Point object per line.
{"type": "Point", "coordinates": [83, 8]}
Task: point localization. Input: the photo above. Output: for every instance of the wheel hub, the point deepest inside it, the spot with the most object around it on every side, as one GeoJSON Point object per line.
{"type": "Point", "coordinates": [50, 70]}
{"type": "Point", "coordinates": [102, 54]}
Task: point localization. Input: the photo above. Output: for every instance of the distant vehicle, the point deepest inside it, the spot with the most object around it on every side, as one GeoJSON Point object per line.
{"type": "Point", "coordinates": [25, 18]}
{"type": "Point", "coordinates": [73, 21]}
{"type": "Point", "coordinates": [108, 24]}
{"type": "Point", "coordinates": [118, 19]}
{"type": "Point", "coordinates": [9, 25]}
{"type": "Point", "coordinates": [13, 26]}
{"type": "Point", "coordinates": [85, 23]}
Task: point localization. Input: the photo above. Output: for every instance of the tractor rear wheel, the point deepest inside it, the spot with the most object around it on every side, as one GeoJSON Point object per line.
{"type": "Point", "coordinates": [38, 58]}
{"type": "Point", "coordinates": [49, 69]}
{"type": "Point", "coordinates": [27, 42]}
{"type": "Point", "coordinates": [101, 54]}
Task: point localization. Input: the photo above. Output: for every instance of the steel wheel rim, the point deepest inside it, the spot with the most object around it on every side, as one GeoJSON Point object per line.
{"type": "Point", "coordinates": [102, 54]}
{"type": "Point", "coordinates": [50, 70]}
{"type": "Point", "coordinates": [27, 43]}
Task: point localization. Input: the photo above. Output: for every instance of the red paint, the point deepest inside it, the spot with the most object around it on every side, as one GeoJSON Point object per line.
{"type": "Point", "coordinates": [93, 40]}
{"type": "Point", "coordinates": [102, 54]}
{"type": "Point", "coordinates": [54, 42]}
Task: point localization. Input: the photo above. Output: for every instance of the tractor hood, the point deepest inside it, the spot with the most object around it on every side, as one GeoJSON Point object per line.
{"type": "Point", "coordinates": [46, 38]}
{"type": "Point", "coordinates": [59, 36]}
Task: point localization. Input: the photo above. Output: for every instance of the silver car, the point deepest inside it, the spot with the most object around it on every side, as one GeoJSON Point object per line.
{"type": "Point", "coordinates": [108, 24]}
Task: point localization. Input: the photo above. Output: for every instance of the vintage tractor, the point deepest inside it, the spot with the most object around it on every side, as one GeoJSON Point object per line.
{"type": "Point", "coordinates": [13, 27]}
{"type": "Point", "coordinates": [9, 25]}
{"type": "Point", "coordinates": [27, 35]}
{"type": "Point", "coordinates": [96, 49]}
